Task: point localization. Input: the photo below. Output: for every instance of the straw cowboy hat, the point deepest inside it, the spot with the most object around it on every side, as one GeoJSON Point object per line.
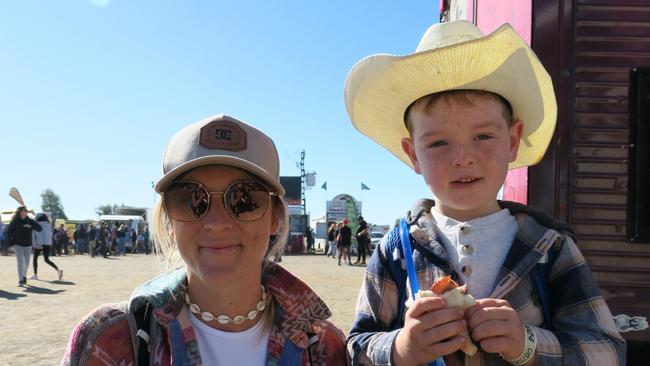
{"type": "Point", "coordinates": [450, 56]}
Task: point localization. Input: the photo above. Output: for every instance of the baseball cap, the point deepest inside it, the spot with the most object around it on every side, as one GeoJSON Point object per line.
{"type": "Point", "coordinates": [221, 140]}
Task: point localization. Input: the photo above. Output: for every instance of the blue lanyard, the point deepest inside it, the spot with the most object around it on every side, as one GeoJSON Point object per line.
{"type": "Point", "coordinates": [410, 271]}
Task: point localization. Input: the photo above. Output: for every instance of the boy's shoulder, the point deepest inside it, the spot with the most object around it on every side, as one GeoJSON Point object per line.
{"type": "Point", "coordinates": [540, 217]}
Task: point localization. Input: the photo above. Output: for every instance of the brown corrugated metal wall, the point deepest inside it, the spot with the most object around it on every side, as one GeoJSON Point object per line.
{"type": "Point", "coordinates": [589, 47]}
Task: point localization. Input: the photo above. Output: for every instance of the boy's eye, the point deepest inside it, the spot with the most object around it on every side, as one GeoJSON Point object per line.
{"type": "Point", "coordinates": [438, 143]}
{"type": "Point", "coordinates": [483, 137]}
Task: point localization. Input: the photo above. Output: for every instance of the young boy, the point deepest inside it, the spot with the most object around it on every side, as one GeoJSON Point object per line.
{"type": "Point", "coordinates": [462, 110]}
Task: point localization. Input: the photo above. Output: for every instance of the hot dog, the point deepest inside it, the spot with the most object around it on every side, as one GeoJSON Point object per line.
{"type": "Point", "coordinates": [455, 296]}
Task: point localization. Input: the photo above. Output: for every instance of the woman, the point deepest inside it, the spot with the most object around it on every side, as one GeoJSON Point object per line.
{"type": "Point", "coordinates": [330, 248]}
{"type": "Point", "coordinates": [222, 215]}
{"type": "Point", "coordinates": [43, 243]}
{"type": "Point", "coordinates": [19, 234]}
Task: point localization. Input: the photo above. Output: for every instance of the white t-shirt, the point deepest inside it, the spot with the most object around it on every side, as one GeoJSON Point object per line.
{"type": "Point", "coordinates": [477, 248]}
{"type": "Point", "coordinates": [219, 348]}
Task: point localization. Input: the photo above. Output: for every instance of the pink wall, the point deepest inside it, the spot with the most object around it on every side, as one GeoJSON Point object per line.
{"type": "Point", "coordinates": [490, 15]}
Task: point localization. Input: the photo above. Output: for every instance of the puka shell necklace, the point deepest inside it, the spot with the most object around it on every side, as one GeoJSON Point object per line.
{"type": "Point", "coordinates": [225, 319]}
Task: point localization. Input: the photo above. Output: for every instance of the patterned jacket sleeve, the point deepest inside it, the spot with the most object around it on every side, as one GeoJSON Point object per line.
{"type": "Point", "coordinates": [330, 349]}
{"type": "Point", "coordinates": [101, 338]}
{"type": "Point", "coordinates": [371, 338]}
{"type": "Point", "coordinates": [584, 332]}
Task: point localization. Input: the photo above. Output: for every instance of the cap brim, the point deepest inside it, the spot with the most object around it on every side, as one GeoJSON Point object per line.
{"type": "Point", "coordinates": [270, 181]}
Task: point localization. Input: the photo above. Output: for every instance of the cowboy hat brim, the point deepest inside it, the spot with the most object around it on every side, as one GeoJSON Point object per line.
{"type": "Point", "coordinates": [379, 88]}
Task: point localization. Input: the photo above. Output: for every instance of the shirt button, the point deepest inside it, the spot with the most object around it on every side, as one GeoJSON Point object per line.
{"type": "Point", "coordinates": [467, 270]}
{"type": "Point", "coordinates": [467, 249]}
{"type": "Point", "coordinates": [464, 230]}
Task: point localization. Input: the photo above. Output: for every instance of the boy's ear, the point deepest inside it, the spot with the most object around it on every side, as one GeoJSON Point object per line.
{"type": "Point", "coordinates": [409, 148]}
{"type": "Point", "coordinates": [515, 131]}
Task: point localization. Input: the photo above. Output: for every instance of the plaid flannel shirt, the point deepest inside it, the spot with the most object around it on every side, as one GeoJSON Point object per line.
{"type": "Point", "coordinates": [583, 332]}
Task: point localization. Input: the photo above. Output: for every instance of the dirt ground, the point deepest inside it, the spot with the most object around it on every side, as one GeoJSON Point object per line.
{"type": "Point", "coordinates": [38, 319]}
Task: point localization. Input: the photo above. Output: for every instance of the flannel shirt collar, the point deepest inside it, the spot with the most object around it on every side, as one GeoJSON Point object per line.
{"type": "Point", "coordinates": [297, 307]}
{"type": "Point", "coordinates": [531, 243]}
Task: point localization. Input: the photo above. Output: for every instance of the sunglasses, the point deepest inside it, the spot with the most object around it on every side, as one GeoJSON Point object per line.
{"type": "Point", "coordinates": [245, 201]}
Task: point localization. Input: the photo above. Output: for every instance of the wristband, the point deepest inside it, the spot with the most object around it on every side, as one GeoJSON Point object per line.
{"type": "Point", "coordinates": [529, 348]}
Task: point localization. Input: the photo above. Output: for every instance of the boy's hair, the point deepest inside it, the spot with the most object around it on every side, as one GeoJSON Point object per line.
{"type": "Point", "coordinates": [462, 96]}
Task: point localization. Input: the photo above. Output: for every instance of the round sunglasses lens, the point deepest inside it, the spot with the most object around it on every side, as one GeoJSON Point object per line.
{"type": "Point", "coordinates": [247, 201]}
{"type": "Point", "coordinates": [186, 201]}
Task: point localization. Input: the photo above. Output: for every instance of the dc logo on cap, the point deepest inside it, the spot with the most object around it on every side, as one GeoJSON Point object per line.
{"type": "Point", "coordinates": [223, 135]}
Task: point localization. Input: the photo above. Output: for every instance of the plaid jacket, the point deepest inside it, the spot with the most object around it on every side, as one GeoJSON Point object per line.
{"type": "Point", "coordinates": [104, 336]}
{"type": "Point", "coordinates": [583, 332]}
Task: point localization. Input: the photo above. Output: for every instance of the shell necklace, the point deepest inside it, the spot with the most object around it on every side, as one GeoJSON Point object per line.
{"type": "Point", "coordinates": [225, 319]}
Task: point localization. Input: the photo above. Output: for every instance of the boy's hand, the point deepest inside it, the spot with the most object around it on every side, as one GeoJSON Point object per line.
{"type": "Point", "coordinates": [497, 327]}
{"type": "Point", "coordinates": [430, 331]}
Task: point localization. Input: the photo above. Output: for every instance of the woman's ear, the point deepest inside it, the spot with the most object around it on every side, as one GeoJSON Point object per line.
{"type": "Point", "coordinates": [170, 229]}
{"type": "Point", "coordinates": [275, 217]}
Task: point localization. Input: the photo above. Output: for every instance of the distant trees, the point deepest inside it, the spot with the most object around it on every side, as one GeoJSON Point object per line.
{"type": "Point", "coordinates": [104, 210]}
{"type": "Point", "coordinates": [52, 205]}
{"type": "Point", "coordinates": [107, 209]}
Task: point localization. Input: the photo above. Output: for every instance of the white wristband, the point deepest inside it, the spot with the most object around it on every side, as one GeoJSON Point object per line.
{"type": "Point", "coordinates": [530, 346]}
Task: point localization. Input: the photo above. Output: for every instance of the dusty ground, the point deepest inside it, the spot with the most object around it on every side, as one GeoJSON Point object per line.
{"type": "Point", "coordinates": [38, 319]}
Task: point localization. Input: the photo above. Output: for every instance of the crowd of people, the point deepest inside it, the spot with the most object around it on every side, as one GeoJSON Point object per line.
{"type": "Point", "coordinates": [27, 236]}
{"type": "Point", "coordinates": [339, 241]}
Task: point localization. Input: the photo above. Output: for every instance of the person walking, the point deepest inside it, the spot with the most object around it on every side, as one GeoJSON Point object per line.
{"type": "Point", "coordinates": [19, 234]}
{"type": "Point", "coordinates": [221, 217]}
{"type": "Point", "coordinates": [43, 243]}
{"type": "Point", "coordinates": [344, 240]}
{"type": "Point", "coordinates": [331, 241]}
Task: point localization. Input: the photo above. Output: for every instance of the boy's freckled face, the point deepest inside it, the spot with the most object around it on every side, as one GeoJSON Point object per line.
{"type": "Point", "coordinates": [462, 150]}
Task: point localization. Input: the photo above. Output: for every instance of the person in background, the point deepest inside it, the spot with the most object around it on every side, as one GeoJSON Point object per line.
{"type": "Point", "coordinates": [3, 241]}
{"type": "Point", "coordinates": [309, 237]}
{"type": "Point", "coordinates": [121, 239]}
{"type": "Point", "coordinates": [344, 240]}
{"type": "Point", "coordinates": [92, 238]}
{"type": "Point", "coordinates": [331, 240]}
{"type": "Point", "coordinates": [62, 238]}
{"type": "Point", "coordinates": [43, 243]}
{"type": "Point", "coordinates": [221, 217]}
{"type": "Point", "coordinates": [102, 248]}
{"type": "Point", "coordinates": [80, 236]}
{"type": "Point", "coordinates": [145, 238]}
{"type": "Point", "coordinates": [363, 240]}
{"type": "Point", "coordinates": [19, 234]}
{"type": "Point", "coordinates": [134, 241]}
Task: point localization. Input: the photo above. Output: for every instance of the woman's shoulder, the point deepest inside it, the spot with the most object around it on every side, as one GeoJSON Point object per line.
{"type": "Point", "coordinates": [331, 343]}
{"type": "Point", "coordinates": [103, 334]}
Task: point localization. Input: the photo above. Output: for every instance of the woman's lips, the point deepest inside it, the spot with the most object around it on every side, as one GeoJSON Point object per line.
{"type": "Point", "coordinates": [222, 249]}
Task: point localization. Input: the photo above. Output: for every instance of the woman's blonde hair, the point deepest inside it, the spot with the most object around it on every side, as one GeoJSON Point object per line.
{"type": "Point", "coordinates": [167, 247]}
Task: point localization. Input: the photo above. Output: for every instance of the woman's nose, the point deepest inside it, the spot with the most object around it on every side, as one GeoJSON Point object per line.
{"type": "Point", "coordinates": [217, 218]}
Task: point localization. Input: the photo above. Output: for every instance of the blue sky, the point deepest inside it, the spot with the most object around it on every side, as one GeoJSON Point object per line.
{"type": "Point", "coordinates": [91, 92]}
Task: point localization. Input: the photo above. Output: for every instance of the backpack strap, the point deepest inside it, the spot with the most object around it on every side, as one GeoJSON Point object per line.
{"type": "Point", "coordinates": [141, 325]}
{"type": "Point", "coordinates": [539, 276]}
{"type": "Point", "coordinates": [399, 241]}
{"type": "Point", "coordinates": [395, 262]}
